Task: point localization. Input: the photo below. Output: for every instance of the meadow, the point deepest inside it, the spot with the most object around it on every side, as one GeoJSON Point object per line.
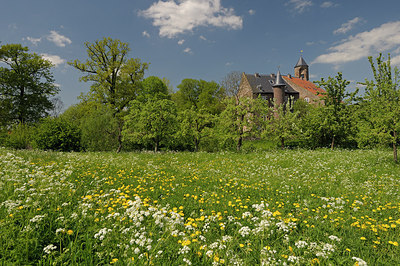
{"type": "Point", "coordinates": [293, 207]}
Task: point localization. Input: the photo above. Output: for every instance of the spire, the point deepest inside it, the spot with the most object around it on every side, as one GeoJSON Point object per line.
{"type": "Point", "coordinates": [279, 80]}
{"type": "Point", "coordinates": [301, 62]}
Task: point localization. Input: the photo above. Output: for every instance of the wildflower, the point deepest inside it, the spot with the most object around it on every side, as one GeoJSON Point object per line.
{"type": "Point", "coordinates": [244, 231]}
{"type": "Point", "coordinates": [394, 243]}
{"type": "Point", "coordinates": [363, 238]}
{"type": "Point", "coordinates": [48, 249]}
{"type": "Point", "coordinates": [70, 232]}
{"type": "Point", "coordinates": [113, 261]}
{"type": "Point", "coordinates": [335, 238]}
{"type": "Point", "coordinates": [360, 261]}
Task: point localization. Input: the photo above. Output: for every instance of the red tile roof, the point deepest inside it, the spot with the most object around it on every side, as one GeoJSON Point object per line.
{"type": "Point", "coordinates": [308, 85]}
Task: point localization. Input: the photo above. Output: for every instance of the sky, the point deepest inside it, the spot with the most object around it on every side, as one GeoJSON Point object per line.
{"type": "Point", "coordinates": [207, 39]}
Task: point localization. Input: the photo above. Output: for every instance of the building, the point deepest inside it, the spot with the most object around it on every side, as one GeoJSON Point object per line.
{"type": "Point", "coordinates": [281, 88]}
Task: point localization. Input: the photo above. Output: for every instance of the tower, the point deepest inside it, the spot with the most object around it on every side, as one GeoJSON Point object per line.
{"type": "Point", "coordinates": [279, 89]}
{"type": "Point", "coordinates": [301, 69]}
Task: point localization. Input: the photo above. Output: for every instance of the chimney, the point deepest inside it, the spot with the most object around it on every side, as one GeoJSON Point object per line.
{"type": "Point", "coordinates": [289, 76]}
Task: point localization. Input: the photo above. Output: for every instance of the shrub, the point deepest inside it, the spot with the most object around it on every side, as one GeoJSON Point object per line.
{"type": "Point", "coordinates": [19, 137]}
{"type": "Point", "coordinates": [57, 134]}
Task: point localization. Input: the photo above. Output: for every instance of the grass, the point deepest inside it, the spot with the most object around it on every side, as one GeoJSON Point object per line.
{"type": "Point", "coordinates": [293, 206]}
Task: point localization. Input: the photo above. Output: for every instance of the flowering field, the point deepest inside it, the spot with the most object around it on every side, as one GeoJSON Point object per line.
{"type": "Point", "coordinates": [283, 207]}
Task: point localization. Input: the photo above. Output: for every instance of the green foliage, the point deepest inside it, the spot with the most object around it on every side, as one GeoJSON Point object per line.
{"type": "Point", "coordinates": [19, 136]}
{"type": "Point", "coordinates": [200, 94]}
{"type": "Point", "coordinates": [26, 85]}
{"type": "Point", "coordinates": [151, 123]}
{"type": "Point", "coordinates": [98, 125]}
{"type": "Point", "coordinates": [194, 126]}
{"type": "Point", "coordinates": [282, 124]}
{"type": "Point", "coordinates": [116, 78]}
{"type": "Point", "coordinates": [381, 105]}
{"type": "Point", "coordinates": [57, 134]}
{"type": "Point", "coordinates": [335, 122]}
{"type": "Point", "coordinates": [240, 121]}
{"type": "Point", "coordinates": [152, 88]}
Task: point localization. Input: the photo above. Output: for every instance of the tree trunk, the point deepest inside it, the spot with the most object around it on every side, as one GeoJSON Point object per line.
{"type": "Point", "coordinates": [282, 143]}
{"type": "Point", "coordinates": [119, 139]}
{"type": "Point", "coordinates": [395, 146]}
{"type": "Point", "coordinates": [156, 146]}
{"type": "Point", "coordinates": [196, 144]}
{"type": "Point", "coordinates": [239, 143]}
{"type": "Point", "coordinates": [333, 142]}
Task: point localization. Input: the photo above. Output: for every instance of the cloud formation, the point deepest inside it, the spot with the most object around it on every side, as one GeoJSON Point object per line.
{"type": "Point", "coordinates": [174, 18]}
{"type": "Point", "coordinates": [58, 39]}
{"type": "Point", "coordinates": [328, 4]}
{"type": "Point", "coordinates": [54, 59]}
{"type": "Point", "coordinates": [146, 34]}
{"type": "Point", "coordinates": [34, 41]}
{"type": "Point", "coordinates": [180, 42]}
{"type": "Point", "coordinates": [188, 51]}
{"type": "Point", "coordinates": [299, 5]}
{"type": "Point", "coordinates": [349, 25]}
{"type": "Point", "coordinates": [380, 39]}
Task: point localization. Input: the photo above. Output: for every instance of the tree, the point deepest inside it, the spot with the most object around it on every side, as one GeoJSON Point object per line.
{"type": "Point", "coordinates": [282, 123]}
{"type": "Point", "coordinates": [116, 78]}
{"type": "Point", "coordinates": [98, 125]}
{"type": "Point", "coordinates": [382, 99]}
{"type": "Point", "coordinates": [26, 85]}
{"type": "Point", "coordinates": [152, 122]}
{"type": "Point", "coordinates": [336, 120]}
{"type": "Point", "coordinates": [200, 94]}
{"type": "Point", "coordinates": [152, 88]}
{"type": "Point", "coordinates": [193, 125]}
{"type": "Point", "coordinates": [239, 121]}
{"type": "Point", "coordinates": [231, 83]}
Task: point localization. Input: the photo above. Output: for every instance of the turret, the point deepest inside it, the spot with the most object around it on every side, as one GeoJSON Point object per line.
{"type": "Point", "coordinates": [301, 69]}
{"type": "Point", "coordinates": [279, 89]}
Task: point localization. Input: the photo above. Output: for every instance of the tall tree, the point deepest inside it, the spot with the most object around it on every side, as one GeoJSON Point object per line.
{"type": "Point", "coordinates": [194, 125]}
{"type": "Point", "coordinates": [335, 112]}
{"type": "Point", "coordinates": [152, 122]}
{"type": "Point", "coordinates": [382, 98]}
{"type": "Point", "coordinates": [116, 78]}
{"type": "Point", "coordinates": [239, 121]}
{"type": "Point", "coordinates": [282, 123]}
{"type": "Point", "coordinates": [26, 85]}
{"type": "Point", "coordinates": [200, 94]}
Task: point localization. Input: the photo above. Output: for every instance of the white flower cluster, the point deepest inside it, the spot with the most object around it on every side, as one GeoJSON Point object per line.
{"type": "Point", "coordinates": [102, 233]}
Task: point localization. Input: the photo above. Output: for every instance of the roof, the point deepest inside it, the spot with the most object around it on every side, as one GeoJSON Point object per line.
{"type": "Point", "coordinates": [301, 62]}
{"type": "Point", "coordinates": [308, 85]}
{"type": "Point", "coordinates": [262, 84]}
{"type": "Point", "coordinates": [279, 81]}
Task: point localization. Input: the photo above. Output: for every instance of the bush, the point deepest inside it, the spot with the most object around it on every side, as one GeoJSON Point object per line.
{"type": "Point", "coordinates": [57, 134]}
{"type": "Point", "coordinates": [19, 137]}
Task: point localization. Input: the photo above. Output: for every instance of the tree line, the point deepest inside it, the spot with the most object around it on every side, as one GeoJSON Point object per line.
{"type": "Point", "coordinates": [125, 111]}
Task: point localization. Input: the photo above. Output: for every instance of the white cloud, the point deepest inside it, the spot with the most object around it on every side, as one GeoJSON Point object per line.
{"type": "Point", "coordinates": [34, 41]}
{"type": "Point", "coordinates": [380, 39]}
{"type": "Point", "coordinates": [252, 11]}
{"type": "Point", "coordinates": [146, 34]}
{"type": "Point", "coordinates": [55, 59]}
{"type": "Point", "coordinates": [328, 4]}
{"type": "Point", "coordinates": [58, 39]}
{"type": "Point", "coordinates": [203, 38]}
{"type": "Point", "coordinates": [188, 51]}
{"type": "Point", "coordinates": [176, 18]}
{"type": "Point", "coordinates": [395, 60]}
{"type": "Point", "coordinates": [228, 63]}
{"type": "Point", "coordinates": [299, 5]}
{"type": "Point", "coordinates": [180, 42]}
{"type": "Point", "coordinates": [349, 25]}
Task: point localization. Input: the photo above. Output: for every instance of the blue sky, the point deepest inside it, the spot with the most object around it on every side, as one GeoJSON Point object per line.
{"type": "Point", "coordinates": [206, 39]}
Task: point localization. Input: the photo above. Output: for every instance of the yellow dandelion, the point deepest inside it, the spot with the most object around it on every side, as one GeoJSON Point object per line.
{"type": "Point", "coordinates": [363, 238]}
{"type": "Point", "coordinates": [70, 232]}
{"type": "Point", "coordinates": [113, 261]}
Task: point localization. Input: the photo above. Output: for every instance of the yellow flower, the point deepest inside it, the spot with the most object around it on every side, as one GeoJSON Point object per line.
{"type": "Point", "coordinates": [363, 238]}
{"type": "Point", "coordinates": [70, 232]}
{"type": "Point", "coordinates": [394, 243]}
{"type": "Point", "coordinates": [113, 261]}
{"type": "Point", "coordinates": [186, 242]}
{"type": "Point", "coordinates": [347, 249]}
{"type": "Point", "coordinates": [241, 245]}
